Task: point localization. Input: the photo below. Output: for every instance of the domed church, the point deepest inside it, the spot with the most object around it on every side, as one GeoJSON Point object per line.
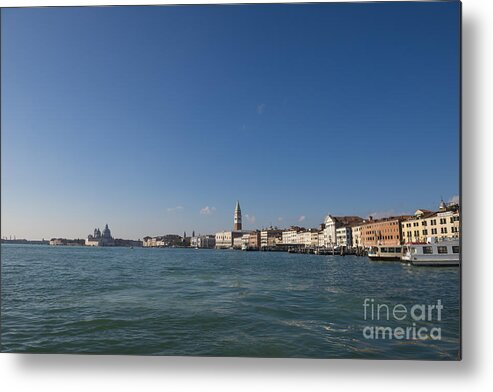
{"type": "Point", "coordinates": [98, 239]}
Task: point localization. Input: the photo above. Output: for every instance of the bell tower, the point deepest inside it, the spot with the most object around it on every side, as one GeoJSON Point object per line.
{"type": "Point", "coordinates": [237, 217]}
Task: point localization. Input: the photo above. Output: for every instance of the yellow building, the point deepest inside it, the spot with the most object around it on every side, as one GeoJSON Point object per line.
{"type": "Point", "coordinates": [290, 236]}
{"type": "Point", "coordinates": [444, 223]}
{"type": "Point", "coordinates": [356, 236]}
{"type": "Point", "coordinates": [270, 237]}
{"type": "Point", "coordinates": [309, 238]}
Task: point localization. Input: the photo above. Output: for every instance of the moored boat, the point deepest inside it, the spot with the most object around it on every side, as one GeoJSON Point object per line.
{"type": "Point", "coordinates": [385, 253]}
{"type": "Point", "coordinates": [434, 252]}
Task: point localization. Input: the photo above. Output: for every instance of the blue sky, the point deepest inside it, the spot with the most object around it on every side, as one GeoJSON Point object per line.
{"type": "Point", "coordinates": [157, 119]}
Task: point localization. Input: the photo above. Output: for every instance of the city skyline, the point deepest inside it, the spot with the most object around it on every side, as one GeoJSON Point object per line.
{"type": "Point", "coordinates": [299, 222]}
{"type": "Point", "coordinates": [157, 120]}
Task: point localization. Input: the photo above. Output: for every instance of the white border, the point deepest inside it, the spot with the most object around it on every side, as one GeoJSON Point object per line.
{"type": "Point", "coordinates": [83, 373]}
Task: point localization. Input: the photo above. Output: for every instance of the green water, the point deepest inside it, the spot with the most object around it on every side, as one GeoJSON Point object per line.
{"type": "Point", "coordinates": [215, 303]}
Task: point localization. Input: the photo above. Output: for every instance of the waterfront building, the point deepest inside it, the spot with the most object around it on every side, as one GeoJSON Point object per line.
{"type": "Point", "coordinates": [224, 240]}
{"type": "Point", "coordinates": [251, 240]}
{"type": "Point", "coordinates": [444, 223]}
{"type": "Point", "coordinates": [194, 241]}
{"type": "Point", "coordinates": [330, 238]}
{"type": "Point", "coordinates": [203, 241]}
{"type": "Point", "coordinates": [228, 239]}
{"type": "Point", "coordinates": [100, 239]}
{"type": "Point", "coordinates": [304, 238]}
{"type": "Point", "coordinates": [168, 240]}
{"type": "Point", "coordinates": [290, 236]}
{"type": "Point", "coordinates": [314, 238]}
{"type": "Point", "coordinates": [146, 241]}
{"type": "Point", "coordinates": [344, 236]}
{"type": "Point", "coordinates": [270, 237]}
{"type": "Point", "coordinates": [356, 235]}
{"type": "Point", "coordinates": [57, 241]}
{"type": "Point", "coordinates": [308, 238]}
{"type": "Point", "coordinates": [245, 239]}
{"type": "Point", "coordinates": [254, 240]}
{"type": "Point", "coordinates": [332, 223]}
{"type": "Point", "coordinates": [128, 243]}
{"type": "Point", "coordinates": [66, 242]}
{"type": "Point", "coordinates": [417, 228]}
{"type": "Point", "coordinates": [386, 231]}
{"type": "Point", "coordinates": [237, 240]}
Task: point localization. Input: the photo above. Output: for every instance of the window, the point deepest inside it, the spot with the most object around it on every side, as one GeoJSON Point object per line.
{"type": "Point", "coordinates": [442, 249]}
{"type": "Point", "coordinates": [397, 250]}
{"type": "Point", "coordinates": [427, 250]}
{"type": "Point", "coordinates": [425, 232]}
{"type": "Point", "coordinates": [424, 223]}
{"type": "Point", "coordinates": [451, 219]}
{"type": "Point", "coordinates": [443, 221]}
{"type": "Point", "coordinates": [391, 250]}
{"type": "Point", "coordinates": [455, 249]}
{"type": "Point", "coordinates": [383, 250]}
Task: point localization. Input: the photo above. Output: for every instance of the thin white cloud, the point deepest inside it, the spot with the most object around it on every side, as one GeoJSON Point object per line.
{"type": "Point", "coordinates": [207, 210]}
{"type": "Point", "coordinates": [250, 218]}
{"type": "Point", "coordinates": [173, 209]}
{"type": "Point", "coordinates": [301, 218]}
{"type": "Point", "coordinates": [454, 199]}
{"type": "Point", "coordinates": [280, 219]}
{"type": "Point", "coordinates": [261, 108]}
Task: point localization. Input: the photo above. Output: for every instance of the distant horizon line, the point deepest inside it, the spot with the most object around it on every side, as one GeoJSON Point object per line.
{"type": "Point", "coordinates": [452, 201]}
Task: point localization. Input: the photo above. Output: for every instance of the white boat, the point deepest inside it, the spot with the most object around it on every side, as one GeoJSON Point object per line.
{"type": "Point", "coordinates": [385, 253]}
{"type": "Point", "coordinates": [434, 252]}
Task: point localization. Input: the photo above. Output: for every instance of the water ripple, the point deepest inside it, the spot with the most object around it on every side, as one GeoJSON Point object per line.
{"type": "Point", "coordinates": [212, 303]}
